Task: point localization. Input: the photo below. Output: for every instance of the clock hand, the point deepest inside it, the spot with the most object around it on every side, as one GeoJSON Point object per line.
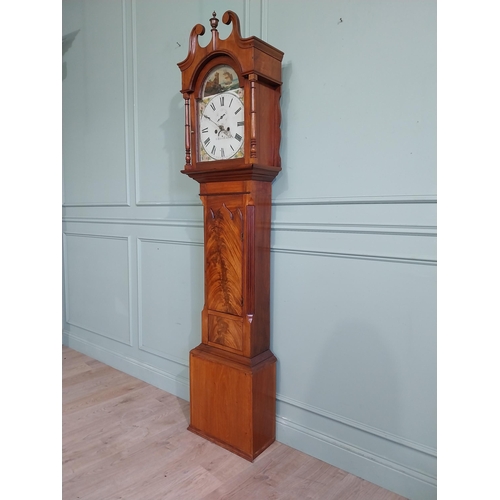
{"type": "Point", "coordinates": [220, 126]}
{"type": "Point", "coordinates": [226, 132]}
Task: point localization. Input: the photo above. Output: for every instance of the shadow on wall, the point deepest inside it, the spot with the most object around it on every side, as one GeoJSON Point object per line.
{"type": "Point", "coordinates": [358, 377]}
{"type": "Point", "coordinates": [173, 134]}
{"type": "Point", "coordinates": [280, 185]}
{"type": "Point", "coordinates": [173, 129]}
{"type": "Point", "coordinates": [67, 41]}
{"type": "Point", "coordinates": [196, 272]}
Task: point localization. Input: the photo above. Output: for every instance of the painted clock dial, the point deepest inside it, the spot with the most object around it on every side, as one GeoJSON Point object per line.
{"type": "Point", "coordinates": [221, 116]}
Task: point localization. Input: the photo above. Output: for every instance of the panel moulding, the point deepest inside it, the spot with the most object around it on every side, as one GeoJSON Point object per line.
{"type": "Point", "coordinates": [137, 222]}
{"type": "Point", "coordinates": [359, 200]}
{"type": "Point", "coordinates": [135, 101]}
{"type": "Point", "coordinates": [314, 227]}
{"type": "Point", "coordinates": [378, 229]}
{"type": "Point", "coordinates": [379, 258]}
{"type": "Point", "coordinates": [168, 203]}
{"type": "Point", "coordinates": [364, 229]}
{"type": "Point", "coordinates": [264, 20]}
{"type": "Point", "coordinates": [97, 204]}
{"type": "Point", "coordinates": [246, 18]}
{"type": "Point", "coordinates": [126, 99]}
{"type": "Point", "coordinates": [142, 347]}
{"type": "Point", "coordinates": [126, 113]}
{"type": "Point", "coordinates": [65, 273]}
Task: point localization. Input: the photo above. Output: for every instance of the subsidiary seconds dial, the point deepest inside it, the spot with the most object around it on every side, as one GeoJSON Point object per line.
{"type": "Point", "coordinates": [222, 127]}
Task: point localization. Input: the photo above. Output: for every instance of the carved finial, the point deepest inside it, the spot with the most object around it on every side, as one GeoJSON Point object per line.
{"type": "Point", "coordinates": [214, 22]}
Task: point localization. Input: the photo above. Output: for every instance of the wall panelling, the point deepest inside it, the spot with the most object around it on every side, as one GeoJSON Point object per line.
{"type": "Point", "coordinates": [353, 277]}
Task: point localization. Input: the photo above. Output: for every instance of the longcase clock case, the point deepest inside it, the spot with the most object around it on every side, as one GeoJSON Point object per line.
{"type": "Point", "coordinates": [233, 371]}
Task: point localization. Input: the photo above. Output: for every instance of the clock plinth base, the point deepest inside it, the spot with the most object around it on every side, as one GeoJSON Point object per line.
{"type": "Point", "coordinates": [233, 400]}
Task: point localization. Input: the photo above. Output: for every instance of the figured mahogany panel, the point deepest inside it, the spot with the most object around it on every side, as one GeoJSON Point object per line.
{"type": "Point", "coordinates": [225, 331]}
{"type": "Point", "coordinates": [253, 220]}
{"type": "Point", "coordinates": [224, 254]}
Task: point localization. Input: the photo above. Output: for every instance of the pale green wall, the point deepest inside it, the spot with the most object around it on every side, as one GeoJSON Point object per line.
{"type": "Point", "coordinates": [354, 216]}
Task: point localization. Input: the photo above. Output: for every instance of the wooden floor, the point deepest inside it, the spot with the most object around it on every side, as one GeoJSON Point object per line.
{"type": "Point", "coordinates": [125, 439]}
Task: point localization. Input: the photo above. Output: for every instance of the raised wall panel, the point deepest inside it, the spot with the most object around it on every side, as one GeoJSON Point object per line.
{"type": "Point", "coordinates": [169, 297]}
{"type": "Point", "coordinates": [95, 106]}
{"type": "Point", "coordinates": [359, 98]}
{"type": "Point", "coordinates": [363, 382]}
{"type": "Point", "coordinates": [97, 279]}
{"type": "Point", "coordinates": [377, 359]}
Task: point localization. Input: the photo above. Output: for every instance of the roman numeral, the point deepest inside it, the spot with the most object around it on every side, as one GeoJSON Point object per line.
{"type": "Point", "coordinates": [213, 150]}
{"type": "Point", "coordinates": [231, 102]}
{"type": "Point", "coordinates": [231, 147]}
{"type": "Point", "coordinates": [212, 105]}
{"type": "Point", "coordinates": [237, 111]}
{"type": "Point", "coordinates": [206, 141]}
{"type": "Point", "coordinates": [240, 124]}
{"type": "Point", "coordinates": [205, 130]}
{"type": "Point", "coordinates": [222, 153]}
{"type": "Point", "coordinates": [222, 100]}
{"type": "Point", "coordinates": [238, 136]}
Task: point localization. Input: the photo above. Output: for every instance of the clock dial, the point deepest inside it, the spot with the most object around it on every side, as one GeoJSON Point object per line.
{"type": "Point", "coordinates": [222, 126]}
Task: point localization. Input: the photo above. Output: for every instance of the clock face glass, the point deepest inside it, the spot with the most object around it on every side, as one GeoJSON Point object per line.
{"type": "Point", "coordinates": [221, 116]}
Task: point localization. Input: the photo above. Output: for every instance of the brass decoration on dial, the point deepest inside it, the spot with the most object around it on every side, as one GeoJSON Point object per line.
{"type": "Point", "coordinates": [231, 91]}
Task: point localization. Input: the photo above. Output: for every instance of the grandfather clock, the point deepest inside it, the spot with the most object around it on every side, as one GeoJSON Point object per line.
{"type": "Point", "coordinates": [232, 90]}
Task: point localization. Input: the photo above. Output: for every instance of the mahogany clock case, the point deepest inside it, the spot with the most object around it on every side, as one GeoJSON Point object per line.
{"type": "Point", "coordinates": [233, 371]}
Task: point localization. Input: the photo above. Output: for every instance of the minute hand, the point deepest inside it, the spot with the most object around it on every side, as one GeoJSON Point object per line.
{"type": "Point", "coordinates": [217, 124]}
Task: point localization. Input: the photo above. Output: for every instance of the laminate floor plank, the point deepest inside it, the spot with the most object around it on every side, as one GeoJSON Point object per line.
{"type": "Point", "coordinates": [188, 483]}
{"type": "Point", "coordinates": [68, 354]}
{"type": "Point", "coordinates": [260, 480]}
{"type": "Point", "coordinates": [86, 377]}
{"type": "Point", "coordinates": [73, 366]}
{"type": "Point", "coordinates": [121, 470]}
{"type": "Point", "coordinates": [124, 439]}
{"type": "Point", "coordinates": [102, 443]}
{"type": "Point", "coordinates": [119, 387]}
{"type": "Point", "coordinates": [70, 357]}
{"type": "Point", "coordinates": [130, 420]}
{"type": "Point", "coordinates": [138, 403]}
{"type": "Point", "coordinates": [89, 383]}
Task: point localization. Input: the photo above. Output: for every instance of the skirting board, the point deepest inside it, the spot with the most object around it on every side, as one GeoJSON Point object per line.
{"type": "Point", "coordinates": [375, 469]}
{"type": "Point", "coordinates": [178, 386]}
